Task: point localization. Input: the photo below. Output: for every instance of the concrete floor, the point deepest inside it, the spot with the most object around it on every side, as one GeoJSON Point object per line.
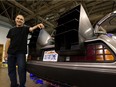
{"type": "Point", "coordinates": [5, 82]}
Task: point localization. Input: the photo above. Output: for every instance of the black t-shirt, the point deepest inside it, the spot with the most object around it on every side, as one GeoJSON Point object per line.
{"type": "Point", "coordinates": [18, 36]}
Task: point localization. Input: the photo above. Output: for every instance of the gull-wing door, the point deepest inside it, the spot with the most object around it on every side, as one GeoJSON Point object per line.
{"type": "Point", "coordinates": [107, 24]}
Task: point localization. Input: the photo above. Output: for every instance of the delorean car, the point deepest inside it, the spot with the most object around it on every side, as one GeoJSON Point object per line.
{"type": "Point", "coordinates": [78, 54]}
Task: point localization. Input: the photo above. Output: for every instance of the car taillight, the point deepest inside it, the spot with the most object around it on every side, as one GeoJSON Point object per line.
{"type": "Point", "coordinates": [103, 54]}
{"type": "Point", "coordinates": [95, 52]}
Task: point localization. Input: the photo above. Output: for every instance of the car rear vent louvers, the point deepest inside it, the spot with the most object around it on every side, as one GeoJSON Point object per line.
{"type": "Point", "coordinates": [67, 37]}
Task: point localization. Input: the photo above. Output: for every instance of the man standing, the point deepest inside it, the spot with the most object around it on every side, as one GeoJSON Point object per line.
{"type": "Point", "coordinates": [16, 48]}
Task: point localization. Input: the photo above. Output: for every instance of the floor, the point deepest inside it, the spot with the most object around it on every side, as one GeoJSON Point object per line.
{"type": "Point", "coordinates": [5, 82]}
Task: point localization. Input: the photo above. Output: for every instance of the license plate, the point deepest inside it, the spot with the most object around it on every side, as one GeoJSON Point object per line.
{"type": "Point", "coordinates": [50, 56]}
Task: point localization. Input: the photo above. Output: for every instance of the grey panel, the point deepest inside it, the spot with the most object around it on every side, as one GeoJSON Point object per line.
{"type": "Point", "coordinates": [43, 38]}
{"type": "Point", "coordinates": [85, 27]}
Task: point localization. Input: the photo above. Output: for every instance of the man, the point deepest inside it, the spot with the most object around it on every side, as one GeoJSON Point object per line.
{"type": "Point", "coordinates": [16, 48]}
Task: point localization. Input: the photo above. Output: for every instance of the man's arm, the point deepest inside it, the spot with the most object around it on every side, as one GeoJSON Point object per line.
{"type": "Point", "coordinates": [36, 26]}
{"type": "Point", "coordinates": [6, 48]}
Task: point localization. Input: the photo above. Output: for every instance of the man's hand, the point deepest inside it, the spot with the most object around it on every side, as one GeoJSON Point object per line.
{"type": "Point", "coordinates": [41, 26]}
{"type": "Point", "coordinates": [6, 48]}
{"type": "Point", "coordinates": [5, 56]}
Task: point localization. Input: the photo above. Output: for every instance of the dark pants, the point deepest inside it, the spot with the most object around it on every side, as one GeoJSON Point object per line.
{"type": "Point", "coordinates": [20, 60]}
